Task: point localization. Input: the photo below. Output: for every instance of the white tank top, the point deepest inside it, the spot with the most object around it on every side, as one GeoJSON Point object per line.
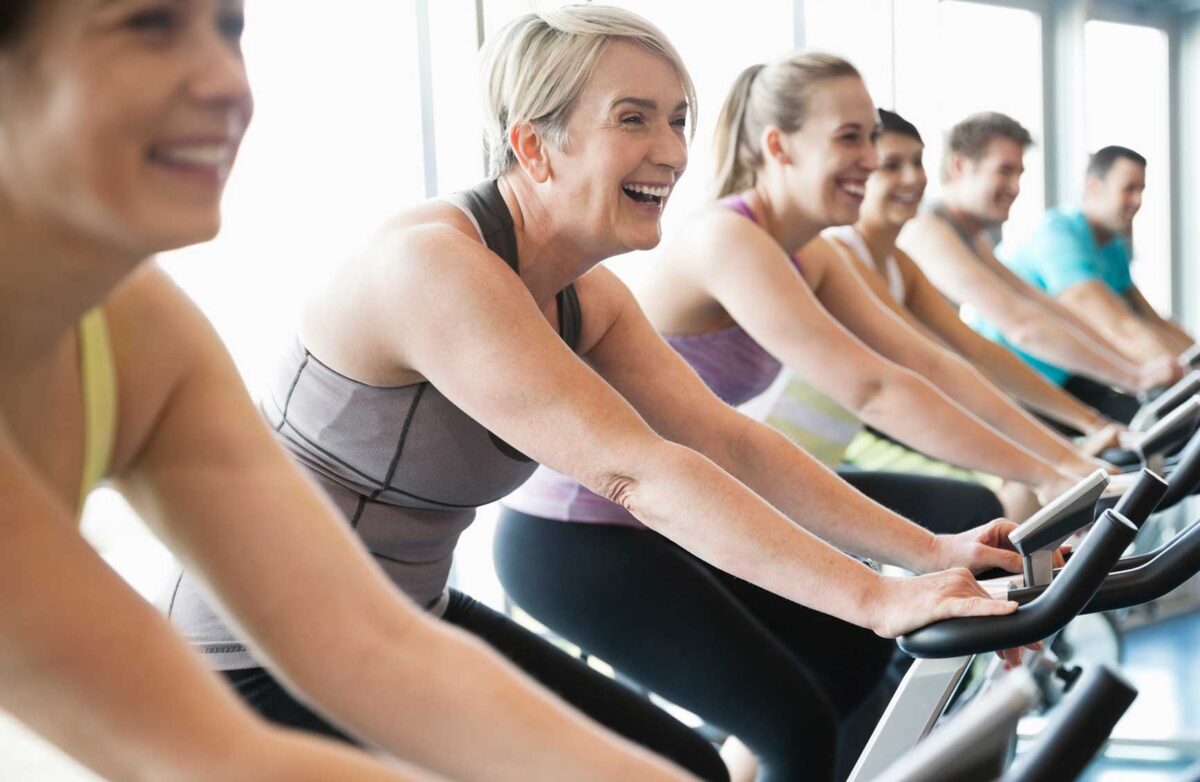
{"type": "Point", "coordinates": [847, 236]}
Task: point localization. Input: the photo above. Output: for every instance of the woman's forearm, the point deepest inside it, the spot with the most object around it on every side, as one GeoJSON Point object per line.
{"type": "Point", "coordinates": [693, 502]}
{"type": "Point", "coordinates": [909, 408]}
{"type": "Point", "coordinates": [1061, 344]}
{"type": "Point", "coordinates": [438, 696]}
{"type": "Point", "coordinates": [95, 669]}
{"type": "Point", "coordinates": [1039, 394]}
{"type": "Point", "coordinates": [968, 387]}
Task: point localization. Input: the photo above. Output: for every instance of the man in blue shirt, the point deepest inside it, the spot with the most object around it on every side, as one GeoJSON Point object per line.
{"type": "Point", "coordinates": [1080, 255]}
{"type": "Point", "coordinates": [981, 179]}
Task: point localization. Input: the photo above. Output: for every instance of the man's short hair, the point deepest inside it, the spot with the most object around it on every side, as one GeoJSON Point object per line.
{"type": "Point", "coordinates": [970, 137]}
{"type": "Point", "coordinates": [1101, 162]}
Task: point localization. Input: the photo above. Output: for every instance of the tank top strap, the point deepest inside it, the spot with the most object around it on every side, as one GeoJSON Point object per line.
{"type": "Point", "coordinates": [738, 204]}
{"type": "Point", "coordinates": [570, 317]}
{"type": "Point", "coordinates": [98, 376]}
{"type": "Point", "coordinates": [849, 243]}
{"type": "Point", "coordinates": [485, 205]}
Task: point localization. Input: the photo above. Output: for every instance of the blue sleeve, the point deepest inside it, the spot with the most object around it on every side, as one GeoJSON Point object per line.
{"type": "Point", "coordinates": [1064, 259]}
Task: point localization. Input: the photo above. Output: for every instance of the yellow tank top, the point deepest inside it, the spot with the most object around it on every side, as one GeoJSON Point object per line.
{"type": "Point", "coordinates": [99, 387]}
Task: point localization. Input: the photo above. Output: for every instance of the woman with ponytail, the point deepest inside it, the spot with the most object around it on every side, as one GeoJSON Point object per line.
{"type": "Point", "coordinates": [794, 144]}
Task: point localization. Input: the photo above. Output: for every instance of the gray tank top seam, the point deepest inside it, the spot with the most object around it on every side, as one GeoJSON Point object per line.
{"type": "Point", "coordinates": [358, 511]}
{"type": "Point", "coordinates": [391, 473]}
{"type": "Point", "coordinates": [175, 592]}
{"type": "Point", "coordinates": [364, 476]}
{"type": "Point", "coordinates": [295, 382]}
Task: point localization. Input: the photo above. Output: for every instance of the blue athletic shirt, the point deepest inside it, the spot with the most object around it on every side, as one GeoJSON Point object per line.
{"type": "Point", "coordinates": [1061, 254]}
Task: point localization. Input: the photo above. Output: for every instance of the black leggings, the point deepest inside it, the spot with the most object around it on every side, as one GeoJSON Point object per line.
{"type": "Point", "coordinates": [604, 700]}
{"type": "Point", "coordinates": [941, 505]}
{"type": "Point", "coordinates": [777, 675]}
{"type": "Point", "coordinates": [1112, 403]}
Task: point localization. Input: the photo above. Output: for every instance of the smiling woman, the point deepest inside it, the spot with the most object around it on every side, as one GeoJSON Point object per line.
{"type": "Point", "coordinates": [119, 120]}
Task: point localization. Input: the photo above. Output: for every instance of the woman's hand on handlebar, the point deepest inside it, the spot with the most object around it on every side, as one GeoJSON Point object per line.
{"type": "Point", "coordinates": [984, 548]}
{"type": "Point", "coordinates": [902, 604]}
{"type": "Point", "coordinates": [1101, 439]}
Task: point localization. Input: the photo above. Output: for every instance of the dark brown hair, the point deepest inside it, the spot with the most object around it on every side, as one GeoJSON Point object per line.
{"type": "Point", "coordinates": [14, 19]}
{"type": "Point", "coordinates": [1100, 163]}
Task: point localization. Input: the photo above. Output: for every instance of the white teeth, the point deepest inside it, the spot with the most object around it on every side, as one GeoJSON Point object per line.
{"type": "Point", "coordinates": [207, 155]}
{"type": "Point", "coordinates": [853, 189]}
{"type": "Point", "coordinates": [657, 192]}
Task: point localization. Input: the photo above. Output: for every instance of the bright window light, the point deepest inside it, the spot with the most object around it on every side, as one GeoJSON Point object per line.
{"type": "Point", "coordinates": [1126, 98]}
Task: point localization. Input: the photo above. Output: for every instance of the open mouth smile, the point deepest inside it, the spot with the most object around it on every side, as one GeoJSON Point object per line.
{"type": "Point", "coordinates": [650, 195]}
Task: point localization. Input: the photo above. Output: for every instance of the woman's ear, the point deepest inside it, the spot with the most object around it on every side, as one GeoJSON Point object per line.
{"type": "Point", "coordinates": [774, 145]}
{"type": "Point", "coordinates": [531, 150]}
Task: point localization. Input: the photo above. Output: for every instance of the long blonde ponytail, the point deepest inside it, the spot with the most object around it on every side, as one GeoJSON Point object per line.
{"type": "Point", "coordinates": [763, 96]}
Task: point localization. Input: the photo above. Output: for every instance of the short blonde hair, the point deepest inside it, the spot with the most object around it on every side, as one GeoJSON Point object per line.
{"type": "Point", "coordinates": [536, 66]}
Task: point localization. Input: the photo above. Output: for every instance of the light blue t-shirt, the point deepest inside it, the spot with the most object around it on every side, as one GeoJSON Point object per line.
{"type": "Point", "coordinates": [1061, 254]}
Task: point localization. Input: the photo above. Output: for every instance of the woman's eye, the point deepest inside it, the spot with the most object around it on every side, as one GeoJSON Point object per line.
{"type": "Point", "coordinates": [680, 123]}
{"type": "Point", "coordinates": [232, 25]}
{"type": "Point", "coordinates": [850, 138]}
{"type": "Point", "coordinates": [633, 119]}
{"type": "Point", "coordinates": [153, 20]}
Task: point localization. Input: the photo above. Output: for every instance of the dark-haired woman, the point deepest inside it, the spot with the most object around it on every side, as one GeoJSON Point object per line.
{"type": "Point", "coordinates": [868, 248]}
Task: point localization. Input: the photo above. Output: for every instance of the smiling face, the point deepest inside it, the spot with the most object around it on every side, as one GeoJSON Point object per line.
{"type": "Point", "coordinates": [1114, 199]}
{"type": "Point", "coordinates": [895, 189]}
{"type": "Point", "coordinates": [120, 119]}
{"type": "Point", "coordinates": [626, 148]}
{"type": "Point", "coordinates": [986, 188]}
{"type": "Point", "coordinates": [832, 154]}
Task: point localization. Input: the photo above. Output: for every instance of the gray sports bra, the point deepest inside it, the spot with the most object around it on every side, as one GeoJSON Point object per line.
{"type": "Point", "coordinates": [406, 467]}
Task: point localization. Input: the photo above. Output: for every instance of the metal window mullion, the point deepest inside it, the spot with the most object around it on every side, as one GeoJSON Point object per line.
{"type": "Point", "coordinates": [425, 76]}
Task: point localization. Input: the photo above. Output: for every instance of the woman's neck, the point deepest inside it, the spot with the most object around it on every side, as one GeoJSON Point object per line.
{"type": "Point", "coordinates": [552, 256]}
{"type": "Point", "coordinates": [781, 217]}
{"type": "Point", "coordinates": [51, 278]}
{"type": "Point", "coordinates": [879, 237]}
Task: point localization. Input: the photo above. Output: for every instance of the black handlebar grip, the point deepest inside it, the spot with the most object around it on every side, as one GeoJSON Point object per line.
{"type": "Point", "coordinates": [1174, 564]}
{"type": "Point", "coordinates": [1121, 457]}
{"type": "Point", "coordinates": [1142, 498]}
{"type": "Point", "coordinates": [1176, 395]}
{"type": "Point", "coordinates": [1186, 475]}
{"type": "Point", "coordinates": [1172, 428]}
{"type": "Point", "coordinates": [1059, 604]}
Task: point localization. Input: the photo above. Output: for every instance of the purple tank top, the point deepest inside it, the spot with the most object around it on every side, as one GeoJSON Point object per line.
{"type": "Point", "coordinates": [729, 361]}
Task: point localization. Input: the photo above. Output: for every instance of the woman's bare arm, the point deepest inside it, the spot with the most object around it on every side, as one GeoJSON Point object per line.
{"type": "Point", "coordinates": [852, 302]}
{"type": "Point", "coordinates": [672, 397]}
{"type": "Point", "coordinates": [764, 294]}
{"type": "Point", "coordinates": [476, 333]}
{"type": "Point", "coordinates": [91, 666]}
{"type": "Point", "coordinates": [1002, 365]}
{"type": "Point", "coordinates": [316, 609]}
